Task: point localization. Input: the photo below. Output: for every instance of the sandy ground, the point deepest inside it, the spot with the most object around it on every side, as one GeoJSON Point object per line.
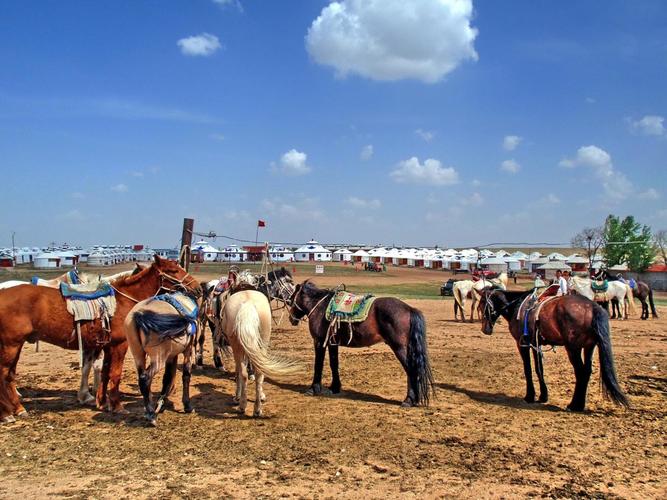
{"type": "Point", "coordinates": [478, 438]}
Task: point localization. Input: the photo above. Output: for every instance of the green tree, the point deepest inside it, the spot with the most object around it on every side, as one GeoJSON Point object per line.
{"type": "Point", "coordinates": [627, 241]}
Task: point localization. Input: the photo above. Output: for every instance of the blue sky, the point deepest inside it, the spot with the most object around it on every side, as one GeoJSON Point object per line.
{"type": "Point", "coordinates": [421, 123]}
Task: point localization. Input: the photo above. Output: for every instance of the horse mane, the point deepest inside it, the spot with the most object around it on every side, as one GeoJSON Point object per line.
{"type": "Point", "coordinates": [133, 278]}
{"type": "Point", "coordinates": [280, 273]}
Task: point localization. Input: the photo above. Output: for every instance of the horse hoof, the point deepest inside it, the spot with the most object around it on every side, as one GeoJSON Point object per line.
{"type": "Point", "coordinates": [9, 419]}
{"type": "Point", "coordinates": [159, 407]}
{"type": "Point", "coordinates": [572, 409]}
{"type": "Point", "coordinates": [89, 400]}
{"type": "Point", "coordinates": [251, 378]}
{"type": "Point", "coordinates": [189, 409]}
{"type": "Point", "coordinates": [23, 414]}
{"type": "Point", "coordinates": [257, 413]}
{"type": "Point", "coordinates": [407, 404]}
{"type": "Point", "coordinates": [120, 411]}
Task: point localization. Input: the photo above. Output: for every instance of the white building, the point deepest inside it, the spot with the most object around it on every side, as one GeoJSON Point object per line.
{"type": "Point", "coordinates": [342, 255]}
{"type": "Point", "coordinates": [209, 252]}
{"type": "Point", "coordinates": [281, 254]}
{"type": "Point", "coordinates": [311, 252]}
{"type": "Point", "coordinates": [46, 260]}
{"type": "Point", "coordinates": [232, 253]}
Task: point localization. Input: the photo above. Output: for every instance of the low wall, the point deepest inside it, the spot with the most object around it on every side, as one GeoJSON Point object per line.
{"type": "Point", "coordinates": [657, 281]}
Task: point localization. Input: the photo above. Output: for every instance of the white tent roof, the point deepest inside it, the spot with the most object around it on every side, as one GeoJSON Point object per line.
{"type": "Point", "coordinates": [312, 247]}
{"type": "Point", "coordinates": [361, 253]}
{"type": "Point", "coordinates": [342, 251]}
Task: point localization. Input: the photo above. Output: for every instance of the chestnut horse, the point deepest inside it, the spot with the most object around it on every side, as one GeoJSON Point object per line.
{"type": "Point", "coordinates": [572, 321]}
{"type": "Point", "coordinates": [390, 320]}
{"type": "Point", "coordinates": [31, 313]}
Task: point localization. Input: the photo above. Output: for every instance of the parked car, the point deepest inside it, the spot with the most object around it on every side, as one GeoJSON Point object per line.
{"type": "Point", "coordinates": [447, 289]}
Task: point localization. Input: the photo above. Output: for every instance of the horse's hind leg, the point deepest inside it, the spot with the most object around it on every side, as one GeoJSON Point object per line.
{"type": "Point", "coordinates": [333, 364]}
{"type": "Point", "coordinates": [582, 373]}
{"type": "Point", "coordinates": [528, 374]}
{"type": "Point", "coordinates": [145, 381]}
{"type": "Point", "coordinates": [10, 404]}
{"type": "Point", "coordinates": [260, 397]}
{"type": "Point", "coordinates": [199, 357]}
{"type": "Point", "coordinates": [167, 383]}
{"type": "Point", "coordinates": [15, 399]}
{"type": "Point", "coordinates": [539, 370]}
{"type": "Point", "coordinates": [84, 396]}
{"type": "Point", "coordinates": [316, 386]}
{"type": "Point", "coordinates": [241, 381]}
{"type": "Point", "coordinates": [187, 375]}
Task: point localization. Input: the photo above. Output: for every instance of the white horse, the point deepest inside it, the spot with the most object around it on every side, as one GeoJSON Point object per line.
{"type": "Point", "coordinates": [246, 323]}
{"type": "Point", "coordinates": [616, 290]}
{"type": "Point", "coordinates": [468, 289]}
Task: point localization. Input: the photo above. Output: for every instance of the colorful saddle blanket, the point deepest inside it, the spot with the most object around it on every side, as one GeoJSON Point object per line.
{"type": "Point", "coordinates": [88, 303]}
{"type": "Point", "coordinates": [71, 277]}
{"type": "Point", "coordinates": [185, 306]}
{"type": "Point", "coordinates": [349, 307]}
{"type": "Point", "coordinates": [600, 286]}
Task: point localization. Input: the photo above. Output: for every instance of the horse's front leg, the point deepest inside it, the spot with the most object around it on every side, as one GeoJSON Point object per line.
{"type": "Point", "coordinates": [472, 310]}
{"type": "Point", "coordinates": [199, 357]}
{"type": "Point", "coordinates": [538, 357]}
{"type": "Point", "coordinates": [528, 374]}
{"type": "Point", "coordinates": [102, 395]}
{"type": "Point", "coordinates": [316, 386]}
{"type": "Point", "coordinates": [333, 363]}
{"type": "Point", "coordinates": [116, 372]}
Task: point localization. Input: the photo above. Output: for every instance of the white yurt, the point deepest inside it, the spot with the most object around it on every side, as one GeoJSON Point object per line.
{"type": "Point", "coordinates": [312, 251]}
{"type": "Point", "coordinates": [99, 259]}
{"type": "Point", "coordinates": [68, 259]}
{"type": "Point", "coordinates": [281, 254]}
{"type": "Point", "coordinates": [232, 253]}
{"type": "Point", "coordinates": [378, 254]}
{"type": "Point", "coordinates": [208, 251]}
{"type": "Point", "coordinates": [46, 260]}
{"type": "Point", "coordinates": [361, 255]}
{"type": "Point", "coordinates": [342, 255]}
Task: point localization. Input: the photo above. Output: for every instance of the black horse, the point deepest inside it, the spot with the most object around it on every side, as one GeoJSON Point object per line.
{"type": "Point", "coordinates": [642, 291]}
{"type": "Point", "coordinates": [389, 320]}
{"type": "Point", "coordinates": [572, 321]}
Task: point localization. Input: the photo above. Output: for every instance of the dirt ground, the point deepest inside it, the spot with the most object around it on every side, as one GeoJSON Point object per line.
{"type": "Point", "coordinates": [477, 439]}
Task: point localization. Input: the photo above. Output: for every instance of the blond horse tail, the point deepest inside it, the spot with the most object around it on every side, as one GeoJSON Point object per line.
{"type": "Point", "coordinates": [631, 300]}
{"type": "Point", "coordinates": [247, 328]}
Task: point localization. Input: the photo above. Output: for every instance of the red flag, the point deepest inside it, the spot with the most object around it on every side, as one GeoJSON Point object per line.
{"type": "Point", "coordinates": [261, 223]}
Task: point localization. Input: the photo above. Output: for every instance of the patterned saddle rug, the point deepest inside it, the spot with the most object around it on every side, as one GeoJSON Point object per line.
{"type": "Point", "coordinates": [185, 306]}
{"type": "Point", "coordinates": [346, 306]}
{"type": "Point", "coordinates": [88, 303]}
{"type": "Point", "coordinates": [600, 286]}
{"type": "Point", "coordinates": [71, 277]}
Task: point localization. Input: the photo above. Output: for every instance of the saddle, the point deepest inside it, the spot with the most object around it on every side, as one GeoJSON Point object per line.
{"type": "Point", "coordinates": [88, 303]}
{"type": "Point", "coordinates": [346, 307]}
{"type": "Point", "coordinates": [529, 311]}
{"type": "Point", "coordinates": [185, 306]}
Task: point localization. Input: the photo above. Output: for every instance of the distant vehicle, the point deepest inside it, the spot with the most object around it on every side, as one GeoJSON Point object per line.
{"type": "Point", "coordinates": [447, 289]}
{"type": "Point", "coordinates": [477, 273]}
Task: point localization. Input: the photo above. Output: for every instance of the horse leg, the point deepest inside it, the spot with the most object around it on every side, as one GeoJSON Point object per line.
{"type": "Point", "coordinates": [84, 396]}
{"type": "Point", "coordinates": [167, 382]}
{"type": "Point", "coordinates": [102, 395]}
{"type": "Point", "coordinates": [115, 374]}
{"type": "Point", "coordinates": [580, 372]}
{"type": "Point", "coordinates": [528, 374]}
{"type": "Point", "coordinates": [472, 309]}
{"type": "Point", "coordinates": [539, 370]}
{"type": "Point", "coordinates": [145, 381]}
{"type": "Point", "coordinates": [316, 386]}
{"type": "Point", "coordinates": [251, 370]}
{"type": "Point", "coordinates": [217, 349]}
{"type": "Point", "coordinates": [199, 356]}
{"type": "Point", "coordinates": [644, 309]}
{"type": "Point", "coordinates": [187, 375]}
{"type": "Point", "coordinates": [14, 400]}
{"type": "Point", "coordinates": [241, 381]}
{"type": "Point", "coordinates": [333, 364]}
{"type": "Point", "coordinates": [260, 397]}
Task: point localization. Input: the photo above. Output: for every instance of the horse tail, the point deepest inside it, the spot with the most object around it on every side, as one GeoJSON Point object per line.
{"type": "Point", "coordinates": [164, 326]}
{"type": "Point", "coordinates": [247, 328]}
{"type": "Point", "coordinates": [654, 313]}
{"type": "Point", "coordinates": [419, 367]}
{"type": "Point", "coordinates": [608, 378]}
{"type": "Point", "coordinates": [631, 299]}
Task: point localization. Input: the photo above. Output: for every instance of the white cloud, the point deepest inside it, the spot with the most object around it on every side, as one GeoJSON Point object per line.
{"type": "Point", "coordinates": [590, 100]}
{"type": "Point", "coordinates": [649, 125]}
{"type": "Point", "coordinates": [292, 163]}
{"type": "Point", "coordinates": [136, 173]}
{"type": "Point", "coordinates": [475, 200]}
{"type": "Point", "coordinates": [511, 142]}
{"type": "Point", "coordinates": [426, 135]}
{"type": "Point", "coordinates": [393, 39]}
{"type": "Point", "coordinates": [217, 137]}
{"type": "Point", "coordinates": [229, 3]}
{"type": "Point", "coordinates": [362, 203]}
{"type": "Point", "coordinates": [649, 194]}
{"type": "Point", "coordinates": [236, 215]}
{"type": "Point", "coordinates": [366, 152]}
{"type": "Point", "coordinates": [119, 188]}
{"type": "Point", "coordinates": [430, 172]}
{"type": "Point", "coordinates": [548, 200]}
{"type": "Point", "coordinates": [78, 195]}
{"type": "Point", "coordinates": [75, 215]}
{"type": "Point", "coordinates": [476, 183]}
{"type": "Point", "coordinates": [616, 184]}
{"type": "Point", "coordinates": [199, 45]}
{"type": "Point", "coordinates": [306, 209]}
{"type": "Point", "coordinates": [510, 166]}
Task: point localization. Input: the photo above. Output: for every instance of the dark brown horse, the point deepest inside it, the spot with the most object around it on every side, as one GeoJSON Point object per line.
{"type": "Point", "coordinates": [389, 320]}
{"type": "Point", "coordinates": [572, 321]}
{"type": "Point", "coordinates": [30, 313]}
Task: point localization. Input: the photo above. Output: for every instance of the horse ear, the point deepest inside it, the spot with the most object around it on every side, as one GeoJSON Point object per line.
{"type": "Point", "coordinates": [157, 259]}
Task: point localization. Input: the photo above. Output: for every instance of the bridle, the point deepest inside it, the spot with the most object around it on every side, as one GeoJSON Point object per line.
{"type": "Point", "coordinates": [306, 314]}
{"type": "Point", "coordinates": [178, 285]}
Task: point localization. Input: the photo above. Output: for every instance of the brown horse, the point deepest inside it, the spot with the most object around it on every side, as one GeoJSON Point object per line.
{"type": "Point", "coordinates": [389, 320]}
{"type": "Point", "coordinates": [30, 313]}
{"type": "Point", "coordinates": [572, 321]}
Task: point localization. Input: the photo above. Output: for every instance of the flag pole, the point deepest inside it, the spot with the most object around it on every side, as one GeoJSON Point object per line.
{"type": "Point", "coordinates": [257, 234]}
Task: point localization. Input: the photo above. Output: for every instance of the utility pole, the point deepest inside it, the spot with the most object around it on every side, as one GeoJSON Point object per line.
{"type": "Point", "coordinates": [186, 243]}
{"type": "Point", "coordinates": [13, 248]}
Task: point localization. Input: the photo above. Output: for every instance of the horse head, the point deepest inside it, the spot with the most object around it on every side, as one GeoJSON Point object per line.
{"type": "Point", "coordinates": [173, 278]}
{"type": "Point", "coordinates": [493, 303]}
